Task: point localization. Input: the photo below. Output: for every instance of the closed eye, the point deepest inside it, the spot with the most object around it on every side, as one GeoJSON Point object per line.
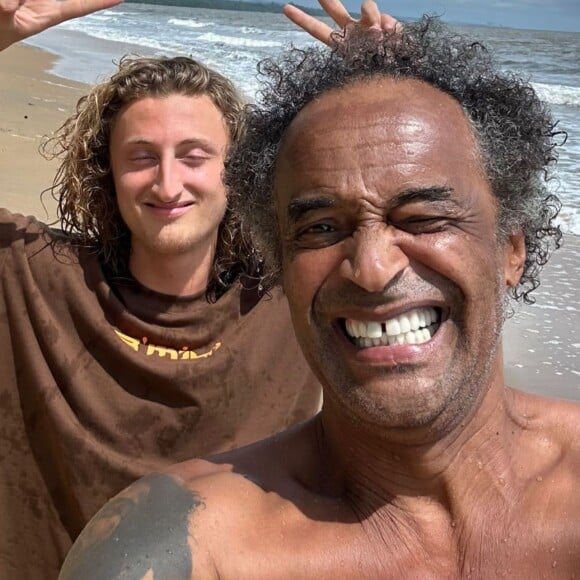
{"type": "Point", "coordinates": [424, 225]}
{"type": "Point", "coordinates": [194, 160]}
{"type": "Point", "coordinates": [141, 154]}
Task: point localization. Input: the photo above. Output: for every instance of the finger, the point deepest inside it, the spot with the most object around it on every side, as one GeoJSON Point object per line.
{"type": "Point", "coordinates": [309, 24]}
{"type": "Point", "coordinates": [370, 15]}
{"type": "Point", "coordinates": [9, 6]}
{"type": "Point", "coordinates": [74, 8]}
{"type": "Point", "coordinates": [389, 22]}
{"type": "Point", "coordinates": [336, 10]}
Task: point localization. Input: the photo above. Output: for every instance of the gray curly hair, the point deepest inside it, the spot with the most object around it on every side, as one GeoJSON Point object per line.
{"type": "Point", "coordinates": [515, 131]}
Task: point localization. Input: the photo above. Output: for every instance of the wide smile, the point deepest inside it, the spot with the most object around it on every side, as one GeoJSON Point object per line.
{"type": "Point", "coordinates": [415, 326]}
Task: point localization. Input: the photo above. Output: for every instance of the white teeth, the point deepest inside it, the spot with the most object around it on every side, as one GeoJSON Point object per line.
{"type": "Point", "coordinates": [393, 327]}
{"type": "Point", "coordinates": [414, 320]}
{"type": "Point", "coordinates": [399, 339]}
{"type": "Point", "coordinates": [413, 327]}
{"type": "Point", "coordinates": [423, 318]}
{"type": "Point", "coordinates": [374, 330]}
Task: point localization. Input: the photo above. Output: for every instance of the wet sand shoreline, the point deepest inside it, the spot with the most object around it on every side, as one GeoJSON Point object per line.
{"type": "Point", "coordinates": [33, 103]}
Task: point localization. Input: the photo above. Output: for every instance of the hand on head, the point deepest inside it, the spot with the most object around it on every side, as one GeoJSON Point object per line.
{"type": "Point", "coordinates": [371, 18]}
{"type": "Point", "coordinates": [20, 19]}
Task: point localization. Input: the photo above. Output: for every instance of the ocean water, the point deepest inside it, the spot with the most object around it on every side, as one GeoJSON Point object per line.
{"type": "Point", "coordinates": [233, 43]}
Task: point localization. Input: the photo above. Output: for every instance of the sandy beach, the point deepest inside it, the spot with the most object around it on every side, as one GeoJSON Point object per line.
{"type": "Point", "coordinates": [32, 104]}
{"type": "Point", "coordinates": [541, 342]}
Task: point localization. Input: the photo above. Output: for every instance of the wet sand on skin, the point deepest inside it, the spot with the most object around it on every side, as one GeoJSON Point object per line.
{"type": "Point", "coordinates": [541, 342]}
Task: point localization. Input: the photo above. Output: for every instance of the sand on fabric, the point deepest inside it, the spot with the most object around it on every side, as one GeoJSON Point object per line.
{"type": "Point", "coordinates": [33, 103]}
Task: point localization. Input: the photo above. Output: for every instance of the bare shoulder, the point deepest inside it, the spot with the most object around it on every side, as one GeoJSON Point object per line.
{"type": "Point", "coordinates": [142, 532]}
{"type": "Point", "coordinates": [558, 416]}
{"type": "Point", "coordinates": [167, 525]}
{"type": "Point", "coordinates": [159, 527]}
{"type": "Point", "coordinates": [551, 446]}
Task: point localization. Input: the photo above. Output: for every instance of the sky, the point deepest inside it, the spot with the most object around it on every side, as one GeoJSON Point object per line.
{"type": "Point", "coordinates": [538, 14]}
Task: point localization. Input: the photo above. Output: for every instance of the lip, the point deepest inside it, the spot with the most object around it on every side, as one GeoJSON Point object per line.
{"type": "Point", "coordinates": [168, 211]}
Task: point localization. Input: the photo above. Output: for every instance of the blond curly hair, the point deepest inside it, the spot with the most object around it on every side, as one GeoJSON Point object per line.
{"type": "Point", "coordinates": [84, 187]}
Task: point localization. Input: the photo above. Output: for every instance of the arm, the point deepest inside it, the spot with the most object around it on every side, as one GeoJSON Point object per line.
{"type": "Point", "coordinates": [20, 19]}
{"type": "Point", "coordinates": [371, 18]}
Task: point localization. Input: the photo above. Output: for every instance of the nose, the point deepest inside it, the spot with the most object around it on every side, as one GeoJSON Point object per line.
{"type": "Point", "coordinates": [169, 184]}
{"type": "Point", "coordinates": [374, 258]}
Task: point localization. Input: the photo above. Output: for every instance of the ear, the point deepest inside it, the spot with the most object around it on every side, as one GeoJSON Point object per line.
{"type": "Point", "coordinates": [515, 258]}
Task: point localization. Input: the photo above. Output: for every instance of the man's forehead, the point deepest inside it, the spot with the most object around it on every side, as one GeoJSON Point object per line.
{"type": "Point", "coordinates": [373, 96]}
{"type": "Point", "coordinates": [378, 138]}
{"type": "Point", "coordinates": [381, 112]}
{"type": "Point", "coordinates": [395, 110]}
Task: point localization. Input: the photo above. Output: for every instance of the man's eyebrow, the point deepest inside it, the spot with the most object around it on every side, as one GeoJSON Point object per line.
{"type": "Point", "coordinates": [430, 194]}
{"type": "Point", "coordinates": [298, 207]}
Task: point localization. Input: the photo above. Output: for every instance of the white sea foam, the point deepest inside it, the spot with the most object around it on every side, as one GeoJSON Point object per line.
{"type": "Point", "coordinates": [569, 221]}
{"type": "Point", "coordinates": [558, 94]}
{"type": "Point", "coordinates": [250, 30]}
{"type": "Point", "coordinates": [124, 36]}
{"type": "Point", "coordinates": [236, 41]}
{"type": "Point", "coordinates": [102, 17]}
{"type": "Point", "coordinates": [189, 23]}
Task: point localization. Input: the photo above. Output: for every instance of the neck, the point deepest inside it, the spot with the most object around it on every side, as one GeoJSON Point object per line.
{"type": "Point", "coordinates": [176, 274]}
{"type": "Point", "coordinates": [455, 469]}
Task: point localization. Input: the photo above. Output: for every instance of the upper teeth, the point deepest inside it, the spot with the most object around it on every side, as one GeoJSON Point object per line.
{"type": "Point", "coordinates": [412, 327]}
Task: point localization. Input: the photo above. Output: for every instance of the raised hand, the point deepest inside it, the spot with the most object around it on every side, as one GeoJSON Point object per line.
{"type": "Point", "coordinates": [20, 19]}
{"type": "Point", "coordinates": [371, 18]}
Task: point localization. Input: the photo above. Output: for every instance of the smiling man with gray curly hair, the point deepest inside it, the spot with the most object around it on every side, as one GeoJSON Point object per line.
{"type": "Point", "coordinates": [397, 187]}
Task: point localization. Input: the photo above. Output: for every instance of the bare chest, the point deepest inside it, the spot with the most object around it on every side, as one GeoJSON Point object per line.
{"type": "Point", "coordinates": [332, 550]}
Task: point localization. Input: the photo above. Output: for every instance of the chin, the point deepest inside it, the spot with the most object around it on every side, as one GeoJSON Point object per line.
{"type": "Point", "coordinates": [407, 414]}
{"type": "Point", "coordinates": [174, 245]}
{"type": "Point", "coordinates": [401, 402]}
